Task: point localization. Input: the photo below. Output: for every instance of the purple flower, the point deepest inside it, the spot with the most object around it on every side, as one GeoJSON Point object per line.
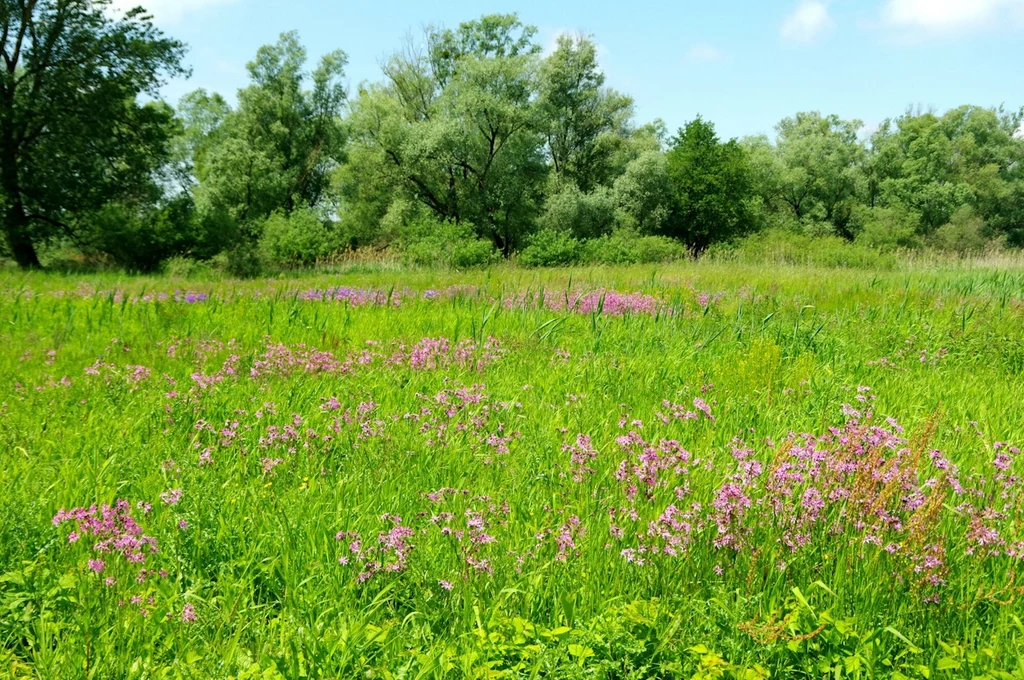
{"type": "Point", "coordinates": [812, 502]}
{"type": "Point", "coordinates": [703, 407]}
{"type": "Point", "coordinates": [188, 614]}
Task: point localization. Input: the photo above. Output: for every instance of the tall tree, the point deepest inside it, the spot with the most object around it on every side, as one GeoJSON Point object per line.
{"type": "Point", "coordinates": [822, 161]}
{"type": "Point", "coordinates": [278, 149]}
{"type": "Point", "coordinates": [201, 116]}
{"type": "Point", "coordinates": [72, 134]}
{"type": "Point", "coordinates": [712, 184]}
{"type": "Point", "coordinates": [938, 165]}
{"type": "Point", "coordinates": [454, 128]}
{"type": "Point", "coordinates": [584, 122]}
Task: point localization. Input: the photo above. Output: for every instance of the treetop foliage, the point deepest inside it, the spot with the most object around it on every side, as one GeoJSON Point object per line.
{"type": "Point", "coordinates": [472, 134]}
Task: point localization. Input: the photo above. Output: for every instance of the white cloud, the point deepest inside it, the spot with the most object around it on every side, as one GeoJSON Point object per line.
{"type": "Point", "coordinates": [948, 16]}
{"type": "Point", "coordinates": [809, 22]}
{"type": "Point", "coordinates": [168, 10]}
{"type": "Point", "coordinates": [703, 53]}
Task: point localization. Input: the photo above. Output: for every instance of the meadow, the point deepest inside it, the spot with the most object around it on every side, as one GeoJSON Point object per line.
{"type": "Point", "coordinates": [695, 470]}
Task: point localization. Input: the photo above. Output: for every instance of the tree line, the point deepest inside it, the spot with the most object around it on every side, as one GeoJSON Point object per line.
{"type": "Point", "coordinates": [473, 146]}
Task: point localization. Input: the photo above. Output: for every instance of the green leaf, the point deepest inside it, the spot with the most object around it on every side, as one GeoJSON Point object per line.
{"type": "Point", "coordinates": [560, 632]}
{"type": "Point", "coordinates": [580, 651]}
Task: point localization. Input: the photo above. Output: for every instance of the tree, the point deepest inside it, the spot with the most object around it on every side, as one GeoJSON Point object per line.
{"type": "Point", "coordinates": [454, 128]}
{"type": "Point", "coordinates": [937, 166]}
{"type": "Point", "coordinates": [201, 116]}
{"type": "Point", "coordinates": [643, 194]}
{"type": "Point", "coordinates": [72, 134]}
{"type": "Point", "coordinates": [583, 122]}
{"type": "Point", "coordinates": [583, 215]}
{"type": "Point", "coordinates": [275, 152]}
{"type": "Point", "coordinates": [712, 184]}
{"type": "Point", "coordinates": [822, 164]}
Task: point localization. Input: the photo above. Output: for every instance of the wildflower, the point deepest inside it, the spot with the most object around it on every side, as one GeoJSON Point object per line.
{"type": "Point", "coordinates": [97, 566]}
{"type": "Point", "coordinates": [171, 497]}
{"type": "Point", "coordinates": [703, 407]}
{"type": "Point", "coordinates": [812, 502]}
{"type": "Point", "coordinates": [270, 463]}
{"type": "Point", "coordinates": [445, 584]}
{"type": "Point", "coordinates": [581, 454]}
{"type": "Point", "coordinates": [1002, 461]}
{"type": "Point", "coordinates": [480, 565]}
{"type": "Point", "coordinates": [188, 614]}
{"type": "Point", "coordinates": [565, 539]}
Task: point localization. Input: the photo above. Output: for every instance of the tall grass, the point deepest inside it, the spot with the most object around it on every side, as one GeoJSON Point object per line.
{"type": "Point", "coordinates": [697, 470]}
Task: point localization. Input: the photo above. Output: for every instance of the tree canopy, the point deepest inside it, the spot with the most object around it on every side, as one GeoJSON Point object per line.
{"type": "Point", "coordinates": [473, 144]}
{"type": "Point", "coordinates": [73, 133]}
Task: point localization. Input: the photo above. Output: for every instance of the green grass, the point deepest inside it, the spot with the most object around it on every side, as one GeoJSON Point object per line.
{"type": "Point", "coordinates": [531, 543]}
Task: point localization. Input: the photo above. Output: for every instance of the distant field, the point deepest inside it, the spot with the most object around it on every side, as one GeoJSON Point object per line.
{"type": "Point", "coordinates": [694, 471]}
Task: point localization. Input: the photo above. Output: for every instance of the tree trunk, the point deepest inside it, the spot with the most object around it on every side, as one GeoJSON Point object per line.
{"type": "Point", "coordinates": [16, 222]}
{"type": "Point", "coordinates": [16, 225]}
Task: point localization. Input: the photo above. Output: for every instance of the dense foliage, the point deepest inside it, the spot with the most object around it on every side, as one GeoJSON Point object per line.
{"type": "Point", "coordinates": [473, 146]}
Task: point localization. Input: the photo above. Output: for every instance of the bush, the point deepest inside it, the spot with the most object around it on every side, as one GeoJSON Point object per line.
{"type": "Point", "coordinates": [628, 247]}
{"type": "Point", "coordinates": [551, 248]}
{"type": "Point", "coordinates": [783, 247]}
{"type": "Point", "coordinates": [300, 238]}
{"type": "Point", "coordinates": [243, 261]}
{"type": "Point", "coordinates": [140, 238]}
{"type": "Point", "coordinates": [187, 268]}
{"type": "Point", "coordinates": [433, 243]}
{"type": "Point", "coordinates": [580, 214]}
{"type": "Point", "coordinates": [965, 234]}
{"type": "Point", "coordinates": [887, 228]}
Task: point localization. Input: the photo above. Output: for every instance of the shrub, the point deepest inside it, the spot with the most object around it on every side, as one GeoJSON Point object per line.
{"type": "Point", "coordinates": [243, 261]}
{"type": "Point", "coordinates": [551, 248]}
{"type": "Point", "coordinates": [887, 228]}
{"type": "Point", "coordinates": [432, 243]}
{"type": "Point", "coordinates": [140, 238]}
{"type": "Point", "coordinates": [965, 234]}
{"type": "Point", "coordinates": [300, 238]}
{"type": "Point", "coordinates": [783, 247]}
{"type": "Point", "coordinates": [179, 267]}
{"type": "Point", "coordinates": [628, 247]}
{"type": "Point", "coordinates": [580, 214]}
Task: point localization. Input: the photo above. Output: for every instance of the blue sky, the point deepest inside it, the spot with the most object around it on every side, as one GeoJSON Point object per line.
{"type": "Point", "coordinates": [744, 64]}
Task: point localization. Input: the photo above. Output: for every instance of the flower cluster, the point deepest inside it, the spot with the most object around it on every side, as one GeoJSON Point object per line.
{"type": "Point", "coordinates": [114, 530]}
